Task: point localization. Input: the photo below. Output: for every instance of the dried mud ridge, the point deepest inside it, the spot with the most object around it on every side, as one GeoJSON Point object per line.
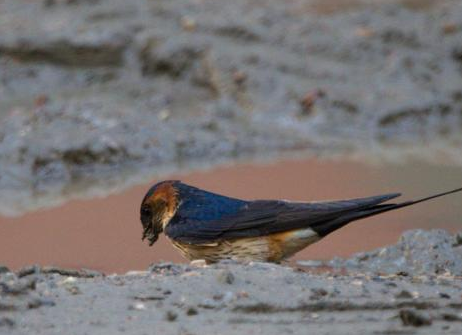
{"type": "Point", "coordinates": [131, 87]}
{"type": "Point", "coordinates": [231, 298]}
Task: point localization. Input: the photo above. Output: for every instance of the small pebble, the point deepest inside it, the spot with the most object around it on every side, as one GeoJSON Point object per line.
{"type": "Point", "coordinates": [444, 295]}
{"type": "Point", "coordinates": [7, 322]}
{"type": "Point", "coordinates": [217, 296]}
{"type": "Point", "coordinates": [451, 317]}
{"type": "Point", "coordinates": [410, 317]}
{"type": "Point", "coordinates": [171, 316]}
{"type": "Point", "coordinates": [318, 293]}
{"type": "Point", "coordinates": [228, 297]}
{"type": "Point", "coordinates": [365, 32]}
{"type": "Point", "coordinates": [199, 263]}
{"type": "Point", "coordinates": [148, 297]}
{"type": "Point", "coordinates": [242, 294]}
{"type": "Point", "coordinates": [136, 273]}
{"type": "Point", "coordinates": [239, 77]}
{"type": "Point", "coordinates": [225, 277]}
{"type": "Point", "coordinates": [308, 100]}
{"type": "Point", "coordinates": [404, 295]}
{"type": "Point", "coordinates": [415, 294]}
{"type": "Point", "coordinates": [74, 290]}
{"type": "Point", "coordinates": [39, 302]}
{"type": "Point", "coordinates": [163, 115]}
{"type": "Point", "coordinates": [68, 280]}
{"type": "Point", "coordinates": [310, 263]}
{"type": "Point", "coordinates": [191, 311]}
{"type": "Point", "coordinates": [138, 306]}
{"type": "Point", "coordinates": [188, 23]}
{"type": "Point", "coordinates": [4, 269]}
{"type": "Point", "coordinates": [28, 270]}
{"type": "Point", "coordinates": [450, 28]}
{"type": "Point", "coordinates": [18, 287]}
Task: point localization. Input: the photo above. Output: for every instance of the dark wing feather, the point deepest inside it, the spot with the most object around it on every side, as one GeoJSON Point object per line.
{"type": "Point", "coordinates": [263, 217]}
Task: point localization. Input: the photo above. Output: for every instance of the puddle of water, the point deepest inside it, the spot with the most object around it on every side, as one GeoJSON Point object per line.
{"type": "Point", "coordinates": [104, 234]}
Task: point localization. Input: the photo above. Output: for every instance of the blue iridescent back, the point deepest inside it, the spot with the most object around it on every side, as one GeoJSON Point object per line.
{"type": "Point", "coordinates": [203, 206]}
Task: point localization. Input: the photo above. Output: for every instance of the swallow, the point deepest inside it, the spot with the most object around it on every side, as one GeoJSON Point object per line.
{"type": "Point", "coordinates": [213, 227]}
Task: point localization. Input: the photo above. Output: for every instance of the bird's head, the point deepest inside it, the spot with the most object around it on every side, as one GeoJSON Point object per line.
{"type": "Point", "coordinates": [157, 208]}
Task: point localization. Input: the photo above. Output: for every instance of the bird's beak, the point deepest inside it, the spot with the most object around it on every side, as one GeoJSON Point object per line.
{"type": "Point", "coordinates": [150, 235]}
{"type": "Point", "coordinates": [150, 232]}
{"type": "Point", "coordinates": [145, 234]}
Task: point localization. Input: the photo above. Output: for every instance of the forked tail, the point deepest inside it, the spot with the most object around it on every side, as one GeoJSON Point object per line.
{"type": "Point", "coordinates": [342, 220]}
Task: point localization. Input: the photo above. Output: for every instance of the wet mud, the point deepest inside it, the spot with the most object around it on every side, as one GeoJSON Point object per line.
{"type": "Point", "coordinates": [95, 94]}
{"type": "Point", "coordinates": [229, 298]}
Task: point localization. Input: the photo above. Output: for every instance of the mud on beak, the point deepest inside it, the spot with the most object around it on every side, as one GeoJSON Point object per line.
{"type": "Point", "coordinates": [150, 233]}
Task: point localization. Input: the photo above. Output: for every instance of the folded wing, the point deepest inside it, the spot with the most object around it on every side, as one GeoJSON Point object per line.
{"type": "Point", "coordinates": [264, 217]}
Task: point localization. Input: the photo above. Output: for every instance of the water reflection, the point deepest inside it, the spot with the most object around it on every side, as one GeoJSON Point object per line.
{"type": "Point", "coordinates": [105, 234]}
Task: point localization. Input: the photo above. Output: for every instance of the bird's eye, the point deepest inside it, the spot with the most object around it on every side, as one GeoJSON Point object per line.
{"type": "Point", "coordinates": [145, 211]}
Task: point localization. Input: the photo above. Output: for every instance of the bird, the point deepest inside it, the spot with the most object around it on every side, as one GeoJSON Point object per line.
{"type": "Point", "coordinates": [207, 226]}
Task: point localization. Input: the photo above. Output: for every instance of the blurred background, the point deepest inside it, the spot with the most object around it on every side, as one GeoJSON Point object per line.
{"type": "Point", "coordinates": [294, 99]}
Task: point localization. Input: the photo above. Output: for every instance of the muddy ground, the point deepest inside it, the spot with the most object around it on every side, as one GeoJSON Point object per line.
{"type": "Point", "coordinates": [254, 298]}
{"type": "Point", "coordinates": [97, 95]}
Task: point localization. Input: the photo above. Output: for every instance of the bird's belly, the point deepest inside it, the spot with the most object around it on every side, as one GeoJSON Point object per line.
{"type": "Point", "coordinates": [288, 243]}
{"type": "Point", "coordinates": [257, 249]}
{"type": "Point", "coordinates": [273, 248]}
